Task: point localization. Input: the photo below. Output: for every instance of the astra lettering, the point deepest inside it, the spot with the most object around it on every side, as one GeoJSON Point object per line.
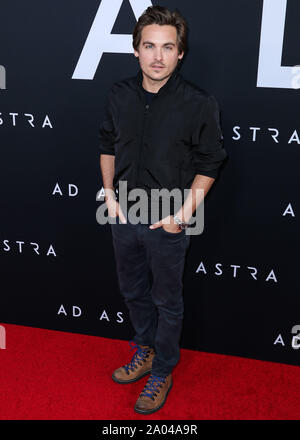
{"type": "Point", "coordinates": [252, 271]}
{"type": "Point", "coordinates": [274, 134]}
{"type": "Point", "coordinates": [20, 245]}
{"type": "Point", "coordinates": [15, 118]}
{"type": "Point", "coordinates": [289, 210]}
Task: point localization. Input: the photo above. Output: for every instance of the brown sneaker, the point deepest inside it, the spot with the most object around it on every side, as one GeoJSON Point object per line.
{"type": "Point", "coordinates": [154, 394]}
{"type": "Point", "coordinates": [140, 365]}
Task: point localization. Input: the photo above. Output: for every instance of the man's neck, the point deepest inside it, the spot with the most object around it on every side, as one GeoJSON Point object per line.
{"type": "Point", "coordinates": [151, 85]}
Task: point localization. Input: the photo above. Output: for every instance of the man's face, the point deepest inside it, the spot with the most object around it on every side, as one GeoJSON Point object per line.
{"type": "Point", "coordinates": [158, 52]}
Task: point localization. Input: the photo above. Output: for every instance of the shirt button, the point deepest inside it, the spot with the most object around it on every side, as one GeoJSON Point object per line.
{"type": "Point", "coordinates": [147, 106]}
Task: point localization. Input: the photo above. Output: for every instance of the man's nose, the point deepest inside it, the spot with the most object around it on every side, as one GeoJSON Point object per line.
{"type": "Point", "coordinates": [158, 54]}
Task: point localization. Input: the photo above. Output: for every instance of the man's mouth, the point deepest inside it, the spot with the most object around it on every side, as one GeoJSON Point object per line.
{"type": "Point", "coordinates": [157, 67]}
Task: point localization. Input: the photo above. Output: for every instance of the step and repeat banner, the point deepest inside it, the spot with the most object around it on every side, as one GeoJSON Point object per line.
{"type": "Point", "coordinates": [241, 282]}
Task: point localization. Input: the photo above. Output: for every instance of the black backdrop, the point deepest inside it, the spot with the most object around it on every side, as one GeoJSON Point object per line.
{"type": "Point", "coordinates": [57, 263]}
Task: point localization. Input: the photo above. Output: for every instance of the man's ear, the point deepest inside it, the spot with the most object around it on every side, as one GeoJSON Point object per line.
{"type": "Point", "coordinates": [136, 54]}
{"type": "Point", "coordinates": [180, 56]}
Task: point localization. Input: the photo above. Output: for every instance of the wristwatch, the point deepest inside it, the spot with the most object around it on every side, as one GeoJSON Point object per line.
{"type": "Point", "coordinates": [182, 225]}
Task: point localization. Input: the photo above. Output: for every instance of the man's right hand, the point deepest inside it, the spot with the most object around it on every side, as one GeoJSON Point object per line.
{"type": "Point", "coordinates": [114, 209]}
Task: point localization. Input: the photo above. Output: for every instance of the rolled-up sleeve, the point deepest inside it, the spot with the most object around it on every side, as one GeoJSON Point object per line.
{"type": "Point", "coordinates": [208, 152]}
{"type": "Point", "coordinates": [107, 132]}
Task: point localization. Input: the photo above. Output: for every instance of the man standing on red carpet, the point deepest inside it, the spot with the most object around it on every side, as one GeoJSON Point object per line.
{"type": "Point", "coordinates": [159, 132]}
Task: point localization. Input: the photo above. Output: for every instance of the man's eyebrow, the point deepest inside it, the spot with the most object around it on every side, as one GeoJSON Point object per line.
{"type": "Point", "coordinates": [165, 44]}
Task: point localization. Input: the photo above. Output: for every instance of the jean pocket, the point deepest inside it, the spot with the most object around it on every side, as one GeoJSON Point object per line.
{"type": "Point", "coordinates": [172, 233]}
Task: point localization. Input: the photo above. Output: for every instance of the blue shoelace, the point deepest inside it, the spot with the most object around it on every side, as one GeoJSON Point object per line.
{"type": "Point", "coordinates": [152, 385]}
{"type": "Point", "coordinates": [138, 356]}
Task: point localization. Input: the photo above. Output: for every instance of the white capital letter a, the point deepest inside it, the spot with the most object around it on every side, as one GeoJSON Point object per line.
{"type": "Point", "coordinates": [100, 39]}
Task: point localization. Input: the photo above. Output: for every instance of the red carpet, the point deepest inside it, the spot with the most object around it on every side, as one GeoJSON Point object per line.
{"type": "Point", "coordinates": [51, 375]}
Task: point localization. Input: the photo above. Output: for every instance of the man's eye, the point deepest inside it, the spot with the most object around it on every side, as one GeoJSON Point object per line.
{"type": "Point", "coordinates": [169, 47]}
{"type": "Point", "coordinates": [148, 45]}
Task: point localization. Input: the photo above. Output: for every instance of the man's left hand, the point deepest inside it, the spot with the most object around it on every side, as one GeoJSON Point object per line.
{"type": "Point", "coordinates": [167, 224]}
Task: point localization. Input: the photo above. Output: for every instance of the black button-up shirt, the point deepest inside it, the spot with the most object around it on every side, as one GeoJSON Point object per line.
{"type": "Point", "coordinates": [165, 141]}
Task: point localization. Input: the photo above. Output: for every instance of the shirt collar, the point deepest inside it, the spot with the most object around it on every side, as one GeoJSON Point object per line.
{"type": "Point", "coordinates": [168, 86]}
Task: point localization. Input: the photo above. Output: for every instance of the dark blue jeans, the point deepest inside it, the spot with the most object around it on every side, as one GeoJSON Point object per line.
{"type": "Point", "coordinates": [150, 265]}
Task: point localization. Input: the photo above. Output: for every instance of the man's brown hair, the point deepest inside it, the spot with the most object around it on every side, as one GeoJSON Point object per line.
{"type": "Point", "coordinates": [161, 15]}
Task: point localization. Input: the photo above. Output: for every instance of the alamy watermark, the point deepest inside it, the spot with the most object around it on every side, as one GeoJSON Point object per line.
{"type": "Point", "coordinates": [296, 338]}
{"type": "Point", "coordinates": [139, 211]}
{"type": "Point", "coordinates": [2, 337]}
{"type": "Point", "coordinates": [2, 78]}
